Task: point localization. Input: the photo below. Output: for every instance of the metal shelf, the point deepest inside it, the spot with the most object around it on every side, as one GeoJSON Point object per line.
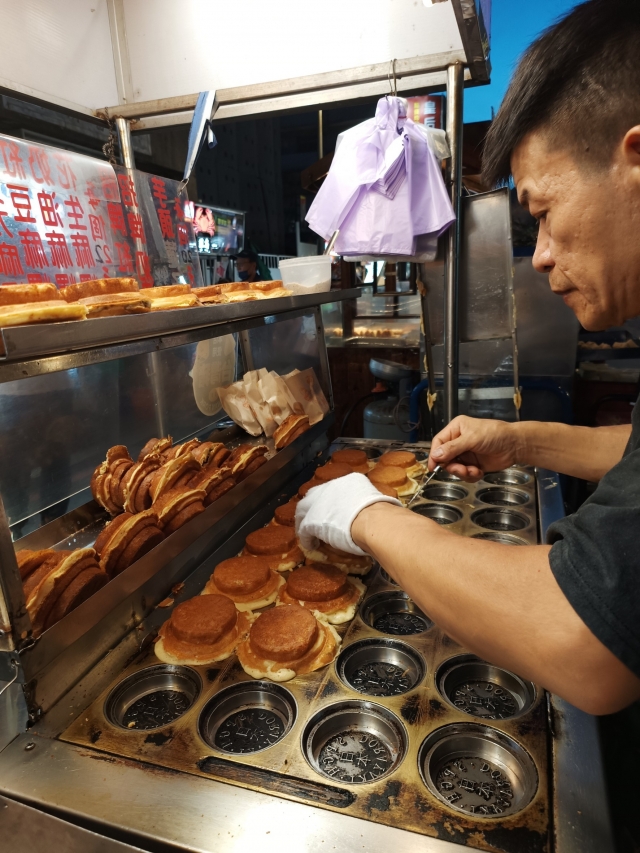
{"type": "Point", "coordinates": [47, 347]}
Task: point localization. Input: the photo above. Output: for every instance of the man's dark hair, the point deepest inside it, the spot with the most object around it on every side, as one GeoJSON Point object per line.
{"type": "Point", "coordinates": [579, 82]}
{"type": "Point", "coordinates": [249, 255]}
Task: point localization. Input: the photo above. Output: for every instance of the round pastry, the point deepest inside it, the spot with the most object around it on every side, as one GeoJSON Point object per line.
{"type": "Point", "coordinates": [304, 488]}
{"type": "Point", "coordinates": [105, 481]}
{"type": "Point", "coordinates": [247, 581]}
{"type": "Point", "coordinates": [127, 538]}
{"type": "Point", "coordinates": [393, 477]}
{"type": "Point", "coordinates": [210, 453]}
{"type": "Point", "coordinates": [326, 588]}
{"type": "Point", "coordinates": [243, 456]}
{"type": "Point", "coordinates": [155, 445]}
{"type": "Point", "coordinates": [177, 506]}
{"type": "Point", "coordinates": [332, 471]}
{"type": "Point", "coordinates": [134, 488]}
{"type": "Point", "coordinates": [202, 630]}
{"type": "Point", "coordinates": [287, 641]}
{"type": "Point", "coordinates": [29, 561]}
{"type": "Point", "coordinates": [357, 460]}
{"type": "Point", "coordinates": [278, 544]}
{"type": "Point", "coordinates": [351, 564]}
{"type": "Point", "coordinates": [286, 514]}
{"type": "Point", "coordinates": [173, 474]}
{"type": "Point", "coordinates": [402, 459]}
{"type": "Point", "coordinates": [215, 482]}
{"type": "Point", "coordinates": [289, 430]}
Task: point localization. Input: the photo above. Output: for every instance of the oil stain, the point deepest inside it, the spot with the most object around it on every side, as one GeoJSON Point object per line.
{"type": "Point", "coordinates": [159, 738]}
{"type": "Point", "coordinates": [95, 736]}
{"type": "Point", "coordinates": [382, 802]}
{"type": "Point", "coordinates": [411, 711]}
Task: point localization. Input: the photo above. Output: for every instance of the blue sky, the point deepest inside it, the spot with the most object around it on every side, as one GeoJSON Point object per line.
{"type": "Point", "coordinates": [515, 24]}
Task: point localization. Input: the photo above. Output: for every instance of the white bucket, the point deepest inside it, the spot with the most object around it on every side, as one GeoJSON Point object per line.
{"type": "Point", "coordinates": [311, 274]}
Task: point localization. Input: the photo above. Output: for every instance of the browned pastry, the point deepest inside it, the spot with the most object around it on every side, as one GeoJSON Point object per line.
{"type": "Point", "coordinates": [286, 514]}
{"type": "Point", "coordinates": [351, 564]}
{"type": "Point", "coordinates": [244, 456]}
{"type": "Point", "coordinates": [356, 459]}
{"type": "Point", "coordinates": [332, 471]}
{"type": "Point", "coordinates": [247, 581]}
{"type": "Point", "coordinates": [289, 430]}
{"type": "Point", "coordinates": [37, 575]}
{"type": "Point", "coordinates": [215, 482]}
{"type": "Point", "coordinates": [218, 289]}
{"type": "Point", "coordinates": [135, 485]}
{"type": "Point", "coordinates": [278, 544]}
{"type": "Point", "coordinates": [116, 304]}
{"type": "Point", "coordinates": [167, 477]}
{"type": "Point", "coordinates": [256, 463]}
{"type": "Point", "coordinates": [310, 484]}
{"type": "Point", "coordinates": [106, 479]}
{"type": "Point", "coordinates": [168, 290]}
{"type": "Point", "coordinates": [20, 294]}
{"type": "Point", "coordinates": [402, 459]}
{"type": "Point", "coordinates": [203, 630]}
{"type": "Point", "coordinates": [208, 453]}
{"type": "Point", "coordinates": [45, 601]}
{"type": "Point", "coordinates": [325, 588]}
{"type": "Point", "coordinates": [127, 538]}
{"type": "Point", "coordinates": [157, 446]}
{"type": "Point", "coordinates": [177, 506]}
{"type": "Point", "coordinates": [181, 449]}
{"type": "Point", "coordinates": [99, 287]}
{"type": "Point", "coordinates": [388, 475]}
{"type": "Point", "coordinates": [287, 641]}
{"type": "Point", "coordinates": [171, 303]}
{"type": "Point", "coordinates": [266, 286]}
{"type": "Point", "coordinates": [29, 561]}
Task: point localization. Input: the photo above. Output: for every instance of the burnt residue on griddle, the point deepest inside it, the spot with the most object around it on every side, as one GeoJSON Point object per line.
{"type": "Point", "coordinates": [411, 711]}
{"type": "Point", "coordinates": [212, 674]}
{"type": "Point", "coordinates": [383, 801]}
{"type": "Point", "coordinates": [94, 736]}
{"type": "Point", "coordinates": [276, 783]}
{"type": "Point", "coordinates": [516, 838]}
{"type": "Point", "coordinates": [436, 707]}
{"type": "Point", "coordinates": [159, 738]}
{"type": "Point", "coordinates": [330, 689]}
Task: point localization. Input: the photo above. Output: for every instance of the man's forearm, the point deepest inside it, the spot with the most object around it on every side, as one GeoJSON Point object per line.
{"type": "Point", "coordinates": [501, 602]}
{"type": "Point", "coordinates": [584, 452]}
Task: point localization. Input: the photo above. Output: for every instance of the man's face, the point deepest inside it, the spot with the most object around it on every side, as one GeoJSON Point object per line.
{"type": "Point", "coordinates": [589, 221]}
{"type": "Point", "coordinates": [244, 265]}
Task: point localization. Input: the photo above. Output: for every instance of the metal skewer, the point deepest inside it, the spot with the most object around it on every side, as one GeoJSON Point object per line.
{"type": "Point", "coordinates": [426, 479]}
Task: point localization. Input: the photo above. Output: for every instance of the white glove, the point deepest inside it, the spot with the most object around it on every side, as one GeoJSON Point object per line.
{"type": "Point", "coordinates": [327, 512]}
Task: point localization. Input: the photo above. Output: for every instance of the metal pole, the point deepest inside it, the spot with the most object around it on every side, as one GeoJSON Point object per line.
{"type": "Point", "coordinates": [455, 76]}
{"type": "Point", "coordinates": [123, 127]}
{"type": "Point", "coordinates": [320, 136]}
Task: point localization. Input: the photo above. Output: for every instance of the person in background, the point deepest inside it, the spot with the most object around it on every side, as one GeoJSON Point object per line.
{"type": "Point", "coordinates": [247, 266]}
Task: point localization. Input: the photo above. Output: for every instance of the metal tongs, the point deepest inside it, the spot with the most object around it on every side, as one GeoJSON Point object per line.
{"type": "Point", "coordinates": [426, 479]}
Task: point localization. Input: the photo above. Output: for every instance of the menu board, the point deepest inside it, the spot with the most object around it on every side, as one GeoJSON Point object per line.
{"type": "Point", "coordinates": [66, 217]}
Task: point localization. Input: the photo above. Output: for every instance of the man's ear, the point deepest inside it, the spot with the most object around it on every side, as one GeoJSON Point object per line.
{"type": "Point", "coordinates": [630, 146]}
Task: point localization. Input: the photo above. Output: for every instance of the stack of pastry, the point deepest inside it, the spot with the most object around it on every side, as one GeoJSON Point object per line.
{"type": "Point", "coordinates": [286, 641]}
{"type": "Point", "coordinates": [395, 473]}
{"type": "Point", "coordinates": [201, 631]}
{"type": "Point", "coordinates": [247, 580]}
{"type": "Point", "coordinates": [289, 430]}
{"type": "Point", "coordinates": [109, 297]}
{"type": "Point", "coordinates": [27, 304]}
{"type": "Point", "coordinates": [241, 291]}
{"type": "Point", "coordinates": [323, 588]}
{"type": "Point", "coordinates": [56, 582]}
{"type": "Point", "coordinates": [245, 459]}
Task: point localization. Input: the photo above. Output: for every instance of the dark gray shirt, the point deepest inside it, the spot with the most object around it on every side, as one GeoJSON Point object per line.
{"type": "Point", "coordinates": [595, 556]}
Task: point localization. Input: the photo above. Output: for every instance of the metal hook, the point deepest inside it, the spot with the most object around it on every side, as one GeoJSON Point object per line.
{"type": "Point", "coordinates": [393, 88]}
{"type": "Point", "coordinates": [14, 664]}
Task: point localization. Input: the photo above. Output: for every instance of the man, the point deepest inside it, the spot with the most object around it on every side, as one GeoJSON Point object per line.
{"type": "Point", "coordinates": [247, 266]}
{"type": "Point", "coordinates": [564, 614]}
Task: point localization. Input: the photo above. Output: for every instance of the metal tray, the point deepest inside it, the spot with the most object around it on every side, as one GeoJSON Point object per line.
{"type": "Point", "coordinates": [23, 342]}
{"type": "Point", "coordinates": [388, 733]}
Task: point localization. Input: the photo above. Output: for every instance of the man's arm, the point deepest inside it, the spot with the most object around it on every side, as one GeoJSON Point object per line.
{"type": "Point", "coordinates": [500, 602]}
{"type": "Point", "coordinates": [468, 447]}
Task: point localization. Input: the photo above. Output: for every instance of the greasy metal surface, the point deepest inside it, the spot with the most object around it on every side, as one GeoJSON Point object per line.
{"type": "Point", "coordinates": [155, 697]}
{"type": "Point", "coordinates": [27, 342]}
{"type": "Point", "coordinates": [344, 736]}
{"type": "Point", "coordinates": [24, 829]}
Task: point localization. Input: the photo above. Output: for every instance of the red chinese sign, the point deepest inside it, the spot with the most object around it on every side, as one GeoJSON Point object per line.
{"type": "Point", "coordinates": [66, 217]}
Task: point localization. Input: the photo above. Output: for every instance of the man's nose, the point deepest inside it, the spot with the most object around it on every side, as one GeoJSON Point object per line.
{"type": "Point", "coordinates": [542, 260]}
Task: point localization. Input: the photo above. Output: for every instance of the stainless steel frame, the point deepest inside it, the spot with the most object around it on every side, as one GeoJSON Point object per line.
{"type": "Point", "coordinates": [453, 240]}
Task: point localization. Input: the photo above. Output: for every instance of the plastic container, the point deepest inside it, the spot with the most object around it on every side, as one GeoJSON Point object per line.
{"type": "Point", "coordinates": [311, 274]}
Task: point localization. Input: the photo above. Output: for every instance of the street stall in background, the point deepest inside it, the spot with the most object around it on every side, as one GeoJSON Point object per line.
{"type": "Point", "coordinates": [138, 700]}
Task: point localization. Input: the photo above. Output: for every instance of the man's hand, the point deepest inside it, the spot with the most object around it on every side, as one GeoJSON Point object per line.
{"type": "Point", "coordinates": [328, 511]}
{"type": "Point", "coordinates": [469, 447]}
